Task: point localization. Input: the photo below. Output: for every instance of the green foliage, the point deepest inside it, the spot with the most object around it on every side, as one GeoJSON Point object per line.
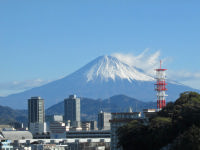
{"type": "Point", "coordinates": [189, 140]}
{"type": "Point", "coordinates": [178, 123]}
{"type": "Point", "coordinates": [145, 137]}
{"type": "Point", "coordinates": [128, 133]}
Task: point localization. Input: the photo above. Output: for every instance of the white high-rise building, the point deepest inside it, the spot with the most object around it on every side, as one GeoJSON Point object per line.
{"type": "Point", "coordinates": [103, 120]}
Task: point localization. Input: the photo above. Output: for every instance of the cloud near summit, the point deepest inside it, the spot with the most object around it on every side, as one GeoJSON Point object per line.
{"type": "Point", "coordinates": [146, 62]}
{"type": "Point", "coordinates": [149, 62]}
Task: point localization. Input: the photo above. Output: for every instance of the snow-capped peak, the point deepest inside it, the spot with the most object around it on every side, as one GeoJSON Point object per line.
{"type": "Point", "coordinates": [109, 67]}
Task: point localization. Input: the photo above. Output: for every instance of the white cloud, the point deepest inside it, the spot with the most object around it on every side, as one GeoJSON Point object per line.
{"type": "Point", "coordinates": [191, 79]}
{"type": "Point", "coordinates": [149, 62]}
{"type": "Point", "coordinates": [144, 61]}
{"type": "Point", "coordinates": [19, 86]}
{"type": "Point", "coordinates": [194, 83]}
{"type": "Point", "coordinates": [183, 75]}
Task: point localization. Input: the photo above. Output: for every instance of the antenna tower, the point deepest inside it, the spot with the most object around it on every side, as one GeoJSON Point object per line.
{"type": "Point", "coordinates": [160, 87]}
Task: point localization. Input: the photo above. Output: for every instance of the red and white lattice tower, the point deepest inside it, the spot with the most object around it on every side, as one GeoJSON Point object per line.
{"type": "Point", "coordinates": [160, 87]}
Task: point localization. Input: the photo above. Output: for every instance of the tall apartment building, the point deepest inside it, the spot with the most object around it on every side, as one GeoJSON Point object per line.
{"type": "Point", "coordinates": [103, 120]}
{"type": "Point", "coordinates": [36, 115]}
{"type": "Point", "coordinates": [36, 110]}
{"type": "Point", "coordinates": [72, 110]}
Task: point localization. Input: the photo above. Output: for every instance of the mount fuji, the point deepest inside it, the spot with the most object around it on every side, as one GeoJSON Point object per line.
{"type": "Point", "coordinates": [102, 78]}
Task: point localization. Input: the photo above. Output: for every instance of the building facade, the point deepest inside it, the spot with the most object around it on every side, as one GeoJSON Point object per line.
{"type": "Point", "coordinates": [86, 125]}
{"type": "Point", "coordinates": [58, 118]}
{"type": "Point", "coordinates": [93, 125]}
{"type": "Point", "coordinates": [36, 115]}
{"type": "Point", "coordinates": [6, 145]}
{"type": "Point", "coordinates": [72, 110]}
{"type": "Point", "coordinates": [88, 134]}
{"type": "Point", "coordinates": [148, 113]}
{"type": "Point", "coordinates": [36, 110]}
{"type": "Point", "coordinates": [38, 128]}
{"type": "Point", "coordinates": [103, 120]}
{"type": "Point", "coordinates": [63, 144]}
{"type": "Point", "coordinates": [58, 130]}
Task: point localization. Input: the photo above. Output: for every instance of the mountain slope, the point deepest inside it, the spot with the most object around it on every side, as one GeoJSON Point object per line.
{"type": "Point", "coordinates": [109, 67]}
{"type": "Point", "coordinates": [8, 115]}
{"type": "Point", "coordinates": [91, 107]}
{"type": "Point", "coordinates": [103, 77]}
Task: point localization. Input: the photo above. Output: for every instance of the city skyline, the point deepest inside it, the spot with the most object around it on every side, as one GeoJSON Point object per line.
{"type": "Point", "coordinates": [39, 40]}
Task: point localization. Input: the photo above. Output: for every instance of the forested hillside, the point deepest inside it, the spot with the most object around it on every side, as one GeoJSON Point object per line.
{"type": "Point", "coordinates": [176, 127]}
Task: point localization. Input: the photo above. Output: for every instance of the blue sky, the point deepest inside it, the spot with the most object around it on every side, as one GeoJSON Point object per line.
{"type": "Point", "coordinates": [41, 41]}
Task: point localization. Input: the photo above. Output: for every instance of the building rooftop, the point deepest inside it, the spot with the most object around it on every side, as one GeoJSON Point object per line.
{"type": "Point", "coordinates": [16, 135]}
{"type": "Point", "coordinates": [118, 113]}
{"type": "Point", "coordinates": [149, 110]}
{"type": "Point", "coordinates": [36, 97]}
{"type": "Point", "coordinates": [72, 96]}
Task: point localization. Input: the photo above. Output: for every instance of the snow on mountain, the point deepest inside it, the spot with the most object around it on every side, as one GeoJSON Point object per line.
{"type": "Point", "coordinates": [108, 67]}
{"type": "Point", "coordinates": [101, 78]}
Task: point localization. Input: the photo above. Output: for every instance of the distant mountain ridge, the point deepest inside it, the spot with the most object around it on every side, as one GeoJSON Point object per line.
{"type": "Point", "coordinates": [9, 115]}
{"type": "Point", "coordinates": [101, 78]}
{"type": "Point", "coordinates": [89, 108]}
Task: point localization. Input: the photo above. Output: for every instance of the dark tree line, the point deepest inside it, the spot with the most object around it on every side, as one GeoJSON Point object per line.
{"type": "Point", "coordinates": [176, 127]}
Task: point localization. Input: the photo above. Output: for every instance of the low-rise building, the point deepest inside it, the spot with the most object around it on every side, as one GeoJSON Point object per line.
{"type": "Point", "coordinates": [85, 125]}
{"type": "Point", "coordinates": [48, 147]}
{"type": "Point", "coordinates": [44, 135]}
{"type": "Point", "coordinates": [58, 118]}
{"type": "Point", "coordinates": [89, 125]}
{"type": "Point", "coordinates": [61, 144]}
{"type": "Point", "coordinates": [6, 145]}
{"type": "Point", "coordinates": [38, 127]}
{"type": "Point", "coordinates": [58, 130]}
{"type": "Point", "coordinates": [149, 113]}
{"type": "Point", "coordinates": [2, 127]}
{"type": "Point", "coordinates": [93, 125]}
{"type": "Point", "coordinates": [16, 135]}
{"type": "Point", "coordinates": [118, 120]}
{"type": "Point", "coordinates": [88, 134]}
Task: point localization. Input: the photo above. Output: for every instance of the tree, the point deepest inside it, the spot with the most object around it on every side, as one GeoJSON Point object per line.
{"type": "Point", "coordinates": [189, 140]}
{"type": "Point", "coordinates": [178, 123]}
